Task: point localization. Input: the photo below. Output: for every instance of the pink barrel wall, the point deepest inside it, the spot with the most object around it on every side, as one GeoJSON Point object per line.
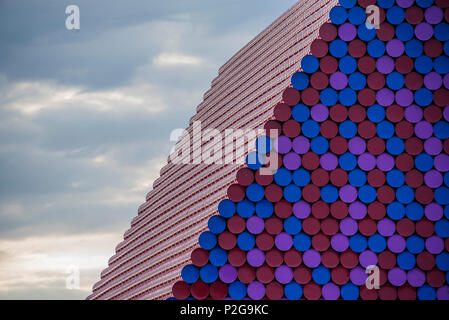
{"type": "Point", "coordinates": [163, 234]}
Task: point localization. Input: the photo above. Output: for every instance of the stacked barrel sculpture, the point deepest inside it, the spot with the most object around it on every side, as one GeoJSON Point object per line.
{"type": "Point", "coordinates": [363, 177]}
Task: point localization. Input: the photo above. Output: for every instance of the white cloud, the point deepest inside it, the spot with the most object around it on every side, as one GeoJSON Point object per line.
{"type": "Point", "coordinates": [99, 159]}
{"type": "Point", "coordinates": [32, 97]}
{"type": "Point", "coordinates": [40, 262]}
{"type": "Point", "coordinates": [176, 59]}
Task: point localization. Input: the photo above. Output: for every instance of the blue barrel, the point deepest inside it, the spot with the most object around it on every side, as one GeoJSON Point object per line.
{"type": "Point", "coordinates": [441, 195]}
{"type": "Point", "coordinates": [414, 211]}
{"type": "Point", "coordinates": [366, 34]}
{"type": "Point", "coordinates": [300, 80]}
{"type": "Point", "coordinates": [395, 178]}
{"type": "Point", "coordinates": [406, 260]}
{"type": "Point", "coordinates": [293, 291]}
{"type": "Point", "coordinates": [226, 208]}
{"type": "Point", "coordinates": [426, 292]}
{"type": "Point", "coordinates": [348, 162]}
{"type": "Point", "coordinates": [442, 261]}
{"type": "Point", "coordinates": [207, 240]}
{"type": "Point", "coordinates": [415, 244]}
{"type": "Point", "coordinates": [347, 97]}
{"type": "Point", "coordinates": [302, 242]}
{"type": "Point", "coordinates": [245, 208]}
{"type": "Point", "coordinates": [319, 145]}
{"type": "Point", "coordinates": [376, 48]}
{"type": "Point", "coordinates": [301, 177]}
{"type": "Point", "coordinates": [423, 97]}
{"type": "Point", "coordinates": [385, 3]}
{"type": "Point", "coordinates": [441, 64]}
{"type": "Point", "coordinates": [395, 80]}
{"type": "Point", "coordinates": [246, 241]}
{"type": "Point", "coordinates": [292, 225]}
{"type": "Point", "coordinates": [237, 290]}
{"type": "Point", "coordinates": [423, 64]}
{"type": "Point", "coordinates": [375, 113]}
{"type": "Point", "coordinates": [329, 193]}
{"type": "Point", "coordinates": [283, 177]}
{"type": "Point", "coordinates": [367, 194]}
{"type": "Point", "coordinates": [395, 15]}
{"type": "Point", "coordinates": [424, 3]}
{"type": "Point", "coordinates": [357, 81]}
{"type": "Point", "coordinates": [347, 4]}
{"type": "Point", "coordinates": [209, 273]}
{"type": "Point", "coordinates": [216, 224]}
{"type": "Point", "coordinates": [218, 257]}
{"type": "Point", "coordinates": [349, 292]}
{"type": "Point", "coordinates": [404, 32]}
{"type": "Point", "coordinates": [321, 275]}
{"type": "Point", "coordinates": [441, 130]}
{"type": "Point", "coordinates": [396, 210]}
{"type": "Point", "coordinates": [254, 160]}
{"type": "Point", "coordinates": [338, 48]}
{"type": "Point", "coordinates": [357, 178]}
{"type": "Point", "coordinates": [338, 15]}
{"type": "Point", "coordinates": [442, 228]}
{"type": "Point", "coordinates": [423, 162]}
{"type": "Point", "coordinates": [385, 129]}
{"type": "Point", "coordinates": [414, 48]}
{"type": "Point", "coordinates": [190, 273]}
{"type": "Point", "coordinates": [357, 16]}
{"type": "Point", "coordinates": [264, 209]}
{"type": "Point", "coordinates": [347, 129]}
{"type": "Point", "coordinates": [292, 193]}
{"type": "Point", "coordinates": [255, 192]}
{"type": "Point", "coordinates": [301, 112]}
{"type": "Point", "coordinates": [377, 243]}
{"type": "Point", "coordinates": [441, 31]}
{"type": "Point", "coordinates": [310, 63]}
{"type": "Point", "coordinates": [328, 97]}
{"type": "Point", "coordinates": [347, 64]}
{"type": "Point", "coordinates": [395, 146]}
{"type": "Point", "coordinates": [358, 243]}
{"type": "Point", "coordinates": [405, 194]}
{"type": "Point", "coordinates": [310, 128]}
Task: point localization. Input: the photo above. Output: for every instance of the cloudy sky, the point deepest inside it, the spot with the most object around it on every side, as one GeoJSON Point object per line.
{"type": "Point", "coordinates": [85, 118]}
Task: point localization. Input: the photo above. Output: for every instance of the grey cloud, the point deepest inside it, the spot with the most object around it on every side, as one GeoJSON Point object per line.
{"type": "Point", "coordinates": [46, 166]}
{"type": "Point", "coordinates": [68, 218]}
{"type": "Point", "coordinates": [116, 37]}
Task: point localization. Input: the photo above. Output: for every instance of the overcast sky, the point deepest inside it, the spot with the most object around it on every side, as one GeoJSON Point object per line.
{"type": "Point", "coordinates": [85, 118]}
